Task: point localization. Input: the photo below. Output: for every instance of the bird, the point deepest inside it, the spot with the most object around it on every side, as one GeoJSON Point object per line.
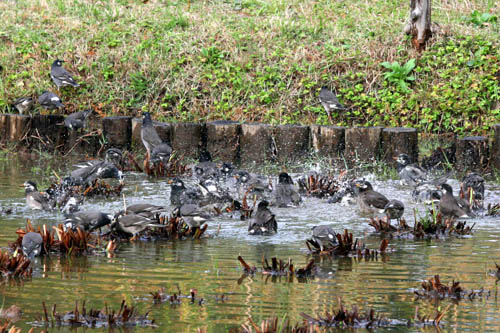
{"type": "Point", "coordinates": [61, 76]}
{"type": "Point", "coordinates": [285, 194]}
{"type": "Point", "coordinates": [475, 182]}
{"type": "Point", "coordinates": [132, 224]}
{"type": "Point", "coordinates": [161, 153]}
{"type": "Point", "coordinates": [192, 215]}
{"type": "Point", "coordinates": [32, 244]}
{"type": "Point", "coordinates": [48, 100]}
{"type": "Point", "coordinates": [180, 194]}
{"type": "Point", "coordinates": [23, 104]}
{"type": "Point", "coordinates": [394, 210]}
{"type": "Point", "coordinates": [112, 155]}
{"type": "Point", "coordinates": [87, 175]}
{"type": "Point", "coordinates": [370, 201]}
{"type": "Point", "coordinates": [264, 221]}
{"type": "Point", "coordinates": [324, 236]}
{"type": "Point", "coordinates": [329, 101]}
{"type": "Point", "coordinates": [450, 206]}
{"type": "Point", "coordinates": [409, 173]}
{"type": "Point", "coordinates": [226, 170]}
{"type": "Point", "coordinates": [35, 199]}
{"type": "Point", "coordinates": [76, 120]}
{"type": "Point", "coordinates": [149, 136]}
{"type": "Point", "coordinates": [426, 193]}
{"type": "Point", "coordinates": [205, 167]}
{"type": "Point", "coordinates": [88, 220]}
{"type": "Point", "coordinates": [144, 209]}
{"type": "Point", "coordinates": [255, 184]}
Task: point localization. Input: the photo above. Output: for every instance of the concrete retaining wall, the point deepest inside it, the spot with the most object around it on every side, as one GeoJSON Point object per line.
{"type": "Point", "coordinates": [244, 143]}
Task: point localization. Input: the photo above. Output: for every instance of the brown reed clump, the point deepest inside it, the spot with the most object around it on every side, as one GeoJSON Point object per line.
{"type": "Point", "coordinates": [346, 245]}
{"type": "Point", "coordinates": [319, 186]}
{"type": "Point", "coordinates": [174, 168]}
{"type": "Point", "coordinates": [125, 317]}
{"type": "Point", "coordinates": [67, 240]}
{"type": "Point", "coordinates": [432, 225]}
{"type": "Point", "coordinates": [434, 289]}
{"type": "Point", "coordinates": [14, 266]}
{"type": "Point", "coordinates": [278, 268]}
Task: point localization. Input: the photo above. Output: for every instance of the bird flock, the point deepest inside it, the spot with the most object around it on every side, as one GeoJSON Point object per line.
{"type": "Point", "coordinates": [220, 187]}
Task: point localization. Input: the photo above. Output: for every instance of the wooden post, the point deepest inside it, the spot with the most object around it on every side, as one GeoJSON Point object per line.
{"type": "Point", "coordinates": [419, 24]}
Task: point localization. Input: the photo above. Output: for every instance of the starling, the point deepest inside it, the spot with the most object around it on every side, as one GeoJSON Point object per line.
{"type": "Point", "coordinates": [48, 100]}
{"type": "Point", "coordinates": [76, 120]}
{"type": "Point", "coordinates": [23, 104]}
{"type": "Point", "coordinates": [329, 101]}
{"type": "Point", "coordinates": [370, 201]}
{"type": "Point", "coordinates": [149, 136]}
{"type": "Point", "coordinates": [61, 76]}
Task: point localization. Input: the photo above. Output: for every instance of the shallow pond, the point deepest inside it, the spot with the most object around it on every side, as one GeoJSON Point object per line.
{"type": "Point", "coordinates": [210, 265]}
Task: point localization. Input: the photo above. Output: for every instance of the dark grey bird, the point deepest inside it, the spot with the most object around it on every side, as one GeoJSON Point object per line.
{"type": "Point", "coordinates": [450, 206]}
{"type": "Point", "coordinates": [161, 153]}
{"type": "Point", "coordinates": [35, 199]}
{"type": "Point", "coordinates": [329, 101]}
{"type": "Point", "coordinates": [426, 193]}
{"type": "Point", "coordinates": [475, 182]}
{"type": "Point", "coordinates": [205, 168]}
{"type": "Point", "coordinates": [112, 155]}
{"type": "Point", "coordinates": [76, 120]}
{"type": "Point", "coordinates": [32, 244]}
{"type": "Point", "coordinates": [132, 224]}
{"type": "Point", "coordinates": [226, 170]}
{"type": "Point", "coordinates": [180, 194]}
{"type": "Point", "coordinates": [88, 220]}
{"type": "Point", "coordinates": [149, 136]}
{"type": "Point", "coordinates": [394, 210]}
{"type": "Point", "coordinates": [263, 222]}
{"type": "Point", "coordinates": [257, 185]}
{"type": "Point", "coordinates": [324, 236]}
{"type": "Point", "coordinates": [370, 201]}
{"type": "Point", "coordinates": [192, 215]}
{"type": "Point", "coordinates": [409, 173]}
{"type": "Point", "coordinates": [48, 100]}
{"type": "Point", "coordinates": [61, 76]}
{"type": "Point", "coordinates": [147, 210]}
{"type": "Point", "coordinates": [71, 206]}
{"type": "Point", "coordinates": [285, 194]}
{"type": "Point", "coordinates": [87, 175]}
{"type": "Point", "coordinates": [23, 104]}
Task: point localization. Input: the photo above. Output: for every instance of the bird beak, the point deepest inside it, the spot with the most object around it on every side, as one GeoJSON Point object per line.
{"type": "Point", "coordinates": [395, 158]}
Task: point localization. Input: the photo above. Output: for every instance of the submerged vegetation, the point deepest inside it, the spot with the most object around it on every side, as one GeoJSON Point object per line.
{"type": "Point", "coordinates": [259, 60]}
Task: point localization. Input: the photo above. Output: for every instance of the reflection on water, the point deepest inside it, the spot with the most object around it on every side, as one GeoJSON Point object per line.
{"type": "Point", "coordinates": [210, 265]}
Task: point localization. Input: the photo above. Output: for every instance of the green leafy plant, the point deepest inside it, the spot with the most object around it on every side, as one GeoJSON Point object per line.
{"type": "Point", "coordinates": [480, 19]}
{"type": "Point", "coordinates": [399, 74]}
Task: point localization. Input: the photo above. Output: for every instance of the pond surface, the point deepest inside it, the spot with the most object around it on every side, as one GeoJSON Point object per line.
{"type": "Point", "coordinates": [210, 265]}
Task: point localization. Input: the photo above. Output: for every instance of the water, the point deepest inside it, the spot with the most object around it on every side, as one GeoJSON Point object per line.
{"type": "Point", "coordinates": [210, 265]}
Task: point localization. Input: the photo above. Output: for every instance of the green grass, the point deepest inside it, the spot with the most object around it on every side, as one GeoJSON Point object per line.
{"type": "Point", "coordinates": [254, 60]}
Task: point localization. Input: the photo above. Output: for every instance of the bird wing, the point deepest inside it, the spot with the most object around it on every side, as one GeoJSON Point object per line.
{"type": "Point", "coordinates": [61, 74]}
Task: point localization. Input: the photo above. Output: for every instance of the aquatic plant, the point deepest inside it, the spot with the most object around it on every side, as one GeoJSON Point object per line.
{"type": "Point", "coordinates": [173, 168]}
{"type": "Point", "coordinates": [493, 210]}
{"type": "Point", "coordinates": [434, 289]}
{"type": "Point", "coordinates": [6, 328]}
{"type": "Point", "coordinates": [431, 225]}
{"type": "Point", "coordinates": [346, 245]}
{"type": "Point", "coordinates": [278, 268]}
{"type": "Point", "coordinates": [100, 187]}
{"type": "Point", "coordinates": [67, 241]}
{"type": "Point", "coordinates": [319, 186]}
{"type": "Point", "coordinates": [14, 266]}
{"type": "Point", "coordinates": [125, 317]}
{"type": "Point", "coordinates": [161, 296]}
{"type": "Point", "coordinates": [175, 229]}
